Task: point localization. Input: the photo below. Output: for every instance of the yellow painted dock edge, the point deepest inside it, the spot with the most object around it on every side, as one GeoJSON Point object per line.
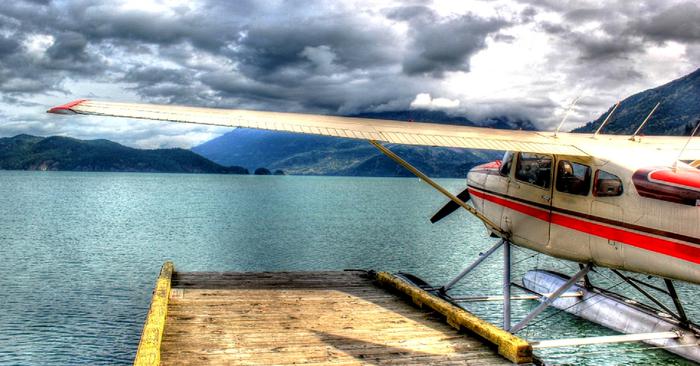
{"type": "Point", "coordinates": [509, 346]}
{"type": "Point", "coordinates": [148, 352]}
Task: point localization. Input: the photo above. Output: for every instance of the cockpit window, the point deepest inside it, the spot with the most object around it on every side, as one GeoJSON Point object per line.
{"type": "Point", "coordinates": [534, 169]}
{"type": "Point", "coordinates": [573, 178]}
{"type": "Point", "coordinates": [607, 184]}
{"type": "Point", "coordinates": [506, 163]}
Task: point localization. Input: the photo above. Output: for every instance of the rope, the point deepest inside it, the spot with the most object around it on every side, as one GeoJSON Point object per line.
{"type": "Point", "coordinates": [524, 259]}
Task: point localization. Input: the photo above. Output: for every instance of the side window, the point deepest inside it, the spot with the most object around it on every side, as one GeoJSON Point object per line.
{"type": "Point", "coordinates": [573, 178]}
{"type": "Point", "coordinates": [506, 163]}
{"type": "Point", "coordinates": [607, 184]}
{"type": "Point", "coordinates": [534, 169]}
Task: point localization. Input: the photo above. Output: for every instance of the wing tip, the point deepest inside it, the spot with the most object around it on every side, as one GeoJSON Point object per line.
{"type": "Point", "coordinates": [66, 108]}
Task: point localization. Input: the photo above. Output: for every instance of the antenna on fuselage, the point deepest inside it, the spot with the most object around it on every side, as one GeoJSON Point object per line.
{"type": "Point", "coordinates": [606, 119]}
{"type": "Point", "coordinates": [566, 115]}
{"type": "Point", "coordinates": [645, 121]}
{"type": "Point", "coordinates": [675, 163]}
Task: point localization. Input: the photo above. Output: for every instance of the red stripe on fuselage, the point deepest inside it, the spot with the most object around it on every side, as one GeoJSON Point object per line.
{"type": "Point", "coordinates": [528, 210]}
{"type": "Point", "coordinates": [678, 250]}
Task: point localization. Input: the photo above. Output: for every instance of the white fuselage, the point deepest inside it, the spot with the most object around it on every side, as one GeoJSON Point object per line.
{"type": "Point", "coordinates": [589, 210]}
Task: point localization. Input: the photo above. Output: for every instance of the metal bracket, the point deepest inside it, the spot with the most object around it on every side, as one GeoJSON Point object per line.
{"type": "Point", "coordinates": [586, 281]}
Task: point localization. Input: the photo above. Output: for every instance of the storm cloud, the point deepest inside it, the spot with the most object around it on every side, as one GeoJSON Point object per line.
{"type": "Point", "coordinates": [522, 59]}
{"type": "Point", "coordinates": [438, 46]}
{"type": "Point", "coordinates": [676, 23]}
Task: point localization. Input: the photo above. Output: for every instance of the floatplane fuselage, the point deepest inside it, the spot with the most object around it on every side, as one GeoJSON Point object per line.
{"type": "Point", "coordinates": [633, 213]}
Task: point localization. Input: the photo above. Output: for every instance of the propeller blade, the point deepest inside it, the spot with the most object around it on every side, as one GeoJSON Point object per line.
{"type": "Point", "coordinates": [450, 207]}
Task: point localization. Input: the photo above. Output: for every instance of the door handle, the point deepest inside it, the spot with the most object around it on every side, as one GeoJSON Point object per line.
{"type": "Point", "coordinates": [546, 197]}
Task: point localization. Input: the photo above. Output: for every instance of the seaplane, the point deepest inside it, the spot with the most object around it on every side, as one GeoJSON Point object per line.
{"type": "Point", "coordinates": [625, 203]}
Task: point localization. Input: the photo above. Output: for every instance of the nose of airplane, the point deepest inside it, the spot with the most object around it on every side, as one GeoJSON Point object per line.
{"type": "Point", "coordinates": [477, 175]}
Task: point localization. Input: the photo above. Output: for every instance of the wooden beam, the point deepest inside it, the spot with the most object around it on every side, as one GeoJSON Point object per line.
{"type": "Point", "coordinates": [509, 346]}
{"type": "Point", "coordinates": [148, 352]}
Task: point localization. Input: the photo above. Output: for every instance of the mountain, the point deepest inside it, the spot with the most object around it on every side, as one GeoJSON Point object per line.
{"type": "Point", "coordinates": [677, 114]}
{"type": "Point", "coordinates": [25, 152]}
{"type": "Point", "coordinates": [320, 155]}
{"type": "Point", "coordinates": [430, 116]}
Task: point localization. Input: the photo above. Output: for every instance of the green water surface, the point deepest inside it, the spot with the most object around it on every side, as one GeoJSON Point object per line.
{"type": "Point", "coordinates": [80, 253]}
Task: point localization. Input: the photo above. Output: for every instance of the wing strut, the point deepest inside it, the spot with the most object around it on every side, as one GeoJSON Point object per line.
{"type": "Point", "coordinates": [442, 190]}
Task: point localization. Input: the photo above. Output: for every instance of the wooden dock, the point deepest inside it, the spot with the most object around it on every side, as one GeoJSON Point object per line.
{"type": "Point", "coordinates": [300, 318]}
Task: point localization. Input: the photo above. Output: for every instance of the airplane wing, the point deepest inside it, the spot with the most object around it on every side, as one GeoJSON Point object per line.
{"type": "Point", "coordinates": [409, 133]}
{"type": "Point", "coordinates": [398, 132]}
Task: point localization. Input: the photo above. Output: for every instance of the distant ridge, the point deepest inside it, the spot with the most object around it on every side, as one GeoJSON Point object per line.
{"type": "Point", "coordinates": [431, 116]}
{"type": "Point", "coordinates": [679, 109]}
{"type": "Point", "coordinates": [26, 152]}
{"type": "Point", "coordinates": [307, 154]}
{"type": "Point", "coordinates": [320, 155]}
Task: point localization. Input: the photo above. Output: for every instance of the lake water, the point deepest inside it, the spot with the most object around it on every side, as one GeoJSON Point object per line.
{"type": "Point", "coordinates": [81, 251]}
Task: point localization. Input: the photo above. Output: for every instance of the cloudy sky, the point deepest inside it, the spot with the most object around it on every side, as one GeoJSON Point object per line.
{"type": "Point", "coordinates": [523, 59]}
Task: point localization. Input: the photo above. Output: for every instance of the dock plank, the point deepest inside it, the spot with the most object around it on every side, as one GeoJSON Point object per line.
{"type": "Point", "coordinates": [306, 318]}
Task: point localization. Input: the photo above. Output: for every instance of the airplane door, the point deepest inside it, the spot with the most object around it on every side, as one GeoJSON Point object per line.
{"type": "Point", "coordinates": [608, 202]}
{"type": "Point", "coordinates": [498, 183]}
{"type": "Point", "coordinates": [528, 210]}
{"type": "Point", "coordinates": [572, 199]}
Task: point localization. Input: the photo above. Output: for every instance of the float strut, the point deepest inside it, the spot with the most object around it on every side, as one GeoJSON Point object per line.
{"type": "Point", "coordinates": [677, 302]}
{"type": "Point", "coordinates": [586, 281]}
{"type": "Point", "coordinates": [549, 300]}
{"type": "Point", "coordinates": [646, 294]}
{"type": "Point", "coordinates": [471, 267]}
{"type": "Point", "coordinates": [506, 285]}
